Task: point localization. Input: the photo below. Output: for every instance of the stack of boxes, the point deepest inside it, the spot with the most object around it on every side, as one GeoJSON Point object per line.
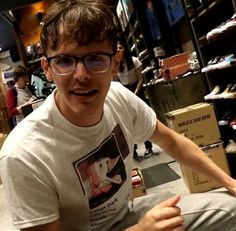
{"type": "Point", "coordinates": [198, 123]}
{"type": "Point", "coordinates": [174, 66]}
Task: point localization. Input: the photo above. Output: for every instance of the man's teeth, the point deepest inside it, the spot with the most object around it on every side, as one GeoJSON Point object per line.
{"type": "Point", "coordinates": [82, 91]}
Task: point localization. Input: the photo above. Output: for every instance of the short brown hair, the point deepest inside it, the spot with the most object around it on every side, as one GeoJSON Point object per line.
{"type": "Point", "coordinates": [18, 72]}
{"type": "Point", "coordinates": [83, 21]}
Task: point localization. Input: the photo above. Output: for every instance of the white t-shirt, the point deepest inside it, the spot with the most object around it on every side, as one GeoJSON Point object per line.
{"type": "Point", "coordinates": [128, 77]}
{"type": "Point", "coordinates": [46, 163]}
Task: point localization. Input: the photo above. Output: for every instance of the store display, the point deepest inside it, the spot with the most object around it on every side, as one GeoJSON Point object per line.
{"type": "Point", "coordinates": [214, 28]}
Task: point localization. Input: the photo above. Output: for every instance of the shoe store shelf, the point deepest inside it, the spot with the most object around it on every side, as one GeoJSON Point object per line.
{"type": "Point", "coordinates": [213, 24]}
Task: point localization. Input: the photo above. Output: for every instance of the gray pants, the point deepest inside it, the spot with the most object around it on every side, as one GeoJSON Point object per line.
{"type": "Point", "coordinates": [211, 211]}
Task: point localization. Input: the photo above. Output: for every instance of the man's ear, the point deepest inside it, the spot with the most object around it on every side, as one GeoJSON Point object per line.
{"type": "Point", "coordinates": [46, 70]}
{"type": "Point", "coordinates": [116, 60]}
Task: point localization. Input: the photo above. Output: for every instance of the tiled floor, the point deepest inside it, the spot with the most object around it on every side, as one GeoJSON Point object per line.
{"type": "Point", "coordinates": [177, 186]}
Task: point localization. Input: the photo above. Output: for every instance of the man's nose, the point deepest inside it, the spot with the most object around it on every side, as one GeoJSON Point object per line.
{"type": "Point", "coordinates": [81, 73]}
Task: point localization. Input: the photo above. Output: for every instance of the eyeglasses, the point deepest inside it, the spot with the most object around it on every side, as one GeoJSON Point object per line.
{"type": "Point", "coordinates": [65, 64]}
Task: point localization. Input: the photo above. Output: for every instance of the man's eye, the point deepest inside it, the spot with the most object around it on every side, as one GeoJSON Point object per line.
{"type": "Point", "coordinates": [64, 61]}
{"type": "Point", "coordinates": [95, 58]}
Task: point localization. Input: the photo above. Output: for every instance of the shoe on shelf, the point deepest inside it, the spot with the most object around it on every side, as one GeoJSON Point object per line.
{"type": "Point", "coordinates": [215, 91]}
{"type": "Point", "coordinates": [226, 118]}
{"type": "Point", "coordinates": [229, 24]}
{"type": "Point", "coordinates": [231, 94]}
{"type": "Point", "coordinates": [215, 32]}
{"type": "Point", "coordinates": [210, 64]}
{"type": "Point", "coordinates": [233, 123]}
{"type": "Point", "coordinates": [231, 147]}
{"type": "Point", "coordinates": [222, 28]}
{"type": "Point", "coordinates": [225, 62]}
{"type": "Point", "coordinates": [148, 152]}
{"type": "Point", "coordinates": [224, 93]}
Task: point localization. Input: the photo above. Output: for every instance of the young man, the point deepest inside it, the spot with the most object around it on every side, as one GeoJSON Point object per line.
{"type": "Point", "coordinates": [68, 165]}
{"type": "Point", "coordinates": [18, 95]}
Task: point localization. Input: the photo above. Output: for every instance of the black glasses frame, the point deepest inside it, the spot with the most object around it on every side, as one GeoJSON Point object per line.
{"type": "Point", "coordinates": [79, 59]}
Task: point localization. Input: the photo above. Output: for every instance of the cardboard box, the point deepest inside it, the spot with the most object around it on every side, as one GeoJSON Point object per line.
{"type": "Point", "coordinates": [175, 60]}
{"type": "Point", "coordinates": [138, 186]}
{"type": "Point", "coordinates": [197, 122]}
{"type": "Point", "coordinates": [199, 183]}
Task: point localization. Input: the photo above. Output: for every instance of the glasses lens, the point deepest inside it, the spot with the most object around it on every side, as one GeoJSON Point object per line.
{"type": "Point", "coordinates": [63, 64]}
{"type": "Point", "coordinates": [97, 62]}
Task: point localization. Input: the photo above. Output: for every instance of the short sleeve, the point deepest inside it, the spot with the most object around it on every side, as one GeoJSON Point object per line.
{"type": "Point", "coordinates": [30, 199]}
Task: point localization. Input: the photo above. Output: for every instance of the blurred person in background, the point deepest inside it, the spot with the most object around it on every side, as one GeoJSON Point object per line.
{"type": "Point", "coordinates": [18, 95]}
{"type": "Point", "coordinates": [130, 76]}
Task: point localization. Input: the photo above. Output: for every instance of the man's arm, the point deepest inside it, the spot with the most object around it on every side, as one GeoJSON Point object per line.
{"type": "Point", "coordinates": [189, 154]}
{"type": "Point", "coordinates": [53, 226]}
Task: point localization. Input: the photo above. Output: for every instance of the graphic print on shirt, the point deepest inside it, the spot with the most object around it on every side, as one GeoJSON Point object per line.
{"type": "Point", "coordinates": [102, 173]}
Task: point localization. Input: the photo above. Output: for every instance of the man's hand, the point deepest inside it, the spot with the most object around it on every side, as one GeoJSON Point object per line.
{"type": "Point", "coordinates": [163, 217]}
{"type": "Point", "coordinates": [31, 99]}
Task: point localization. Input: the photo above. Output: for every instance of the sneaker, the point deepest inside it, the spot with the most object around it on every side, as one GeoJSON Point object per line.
{"type": "Point", "coordinates": [142, 54]}
{"type": "Point", "coordinates": [215, 91]}
{"type": "Point", "coordinates": [233, 123]}
{"type": "Point", "coordinates": [148, 152]}
{"type": "Point", "coordinates": [216, 32]}
{"type": "Point", "coordinates": [231, 147]}
{"type": "Point", "coordinates": [230, 24]}
{"type": "Point", "coordinates": [226, 118]}
{"type": "Point", "coordinates": [223, 27]}
{"type": "Point", "coordinates": [225, 62]}
{"type": "Point", "coordinates": [148, 69]}
{"type": "Point", "coordinates": [231, 94]}
{"type": "Point", "coordinates": [224, 93]}
{"type": "Point", "coordinates": [210, 64]}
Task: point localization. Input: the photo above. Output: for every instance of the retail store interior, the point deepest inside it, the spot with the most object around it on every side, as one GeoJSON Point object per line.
{"type": "Point", "coordinates": [188, 53]}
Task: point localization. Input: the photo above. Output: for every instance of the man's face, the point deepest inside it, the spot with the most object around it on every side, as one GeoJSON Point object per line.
{"type": "Point", "coordinates": [80, 95]}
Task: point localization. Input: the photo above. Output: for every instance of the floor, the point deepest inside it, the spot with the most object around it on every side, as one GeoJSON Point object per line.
{"type": "Point", "coordinates": [177, 186]}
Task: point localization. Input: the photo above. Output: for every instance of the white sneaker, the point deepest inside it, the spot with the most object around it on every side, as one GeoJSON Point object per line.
{"type": "Point", "coordinates": [216, 90]}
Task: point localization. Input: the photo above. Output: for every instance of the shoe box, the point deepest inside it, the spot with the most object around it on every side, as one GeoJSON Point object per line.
{"type": "Point", "coordinates": [138, 186]}
{"type": "Point", "coordinates": [197, 122]}
{"type": "Point", "coordinates": [175, 65]}
{"type": "Point", "coordinates": [200, 183]}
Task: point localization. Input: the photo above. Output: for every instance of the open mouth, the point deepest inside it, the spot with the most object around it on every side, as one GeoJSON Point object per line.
{"type": "Point", "coordinates": [84, 93]}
